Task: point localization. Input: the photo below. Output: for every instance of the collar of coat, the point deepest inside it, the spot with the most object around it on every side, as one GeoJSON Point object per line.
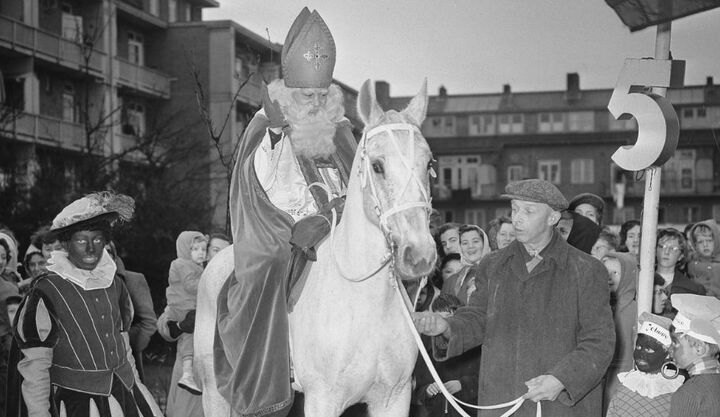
{"type": "Point", "coordinates": [556, 252]}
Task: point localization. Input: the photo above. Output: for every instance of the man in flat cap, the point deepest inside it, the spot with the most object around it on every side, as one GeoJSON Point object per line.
{"type": "Point", "coordinates": [696, 344]}
{"type": "Point", "coordinates": [300, 137]}
{"type": "Point", "coordinates": [542, 313]}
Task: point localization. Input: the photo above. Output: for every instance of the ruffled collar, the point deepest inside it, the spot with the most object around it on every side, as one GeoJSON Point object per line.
{"type": "Point", "coordinates": [649, 385]}
{"type": "Point", "coordinates": [99, 278]}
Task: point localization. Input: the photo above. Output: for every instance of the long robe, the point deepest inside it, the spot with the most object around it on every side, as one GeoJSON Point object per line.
{"type": "Point", "coordinates": [252, 358]}
{"type": "Point", "coordinates": [555, 320]}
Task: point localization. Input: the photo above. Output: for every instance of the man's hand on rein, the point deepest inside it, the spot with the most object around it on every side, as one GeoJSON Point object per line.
{"type": "Point", "coordinates": [543, 388]}
{"type": "Point", "coordinates": [272, 109]}
{"type": "Point", "coordinates": [430, 324]}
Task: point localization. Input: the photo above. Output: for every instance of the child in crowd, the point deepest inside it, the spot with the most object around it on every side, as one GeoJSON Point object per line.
{"type": "Point", "coordinates": [696, 337]}
{"type": "Point", "coordinates": [183, 279]}
{"type": "Point", "coordinates": [645, 390]}
{"type": "Point", "coordinates": [622, 278]}
{"type": "Point", "coordinates": [705, 267]}
{"type": "Point", "coordinates": [607, 241]}
{"type": "Point", "coordinates": [459, 374]}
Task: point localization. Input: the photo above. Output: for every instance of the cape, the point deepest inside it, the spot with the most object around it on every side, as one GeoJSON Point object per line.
{"type": "Point", "coordinates": [251, 348]}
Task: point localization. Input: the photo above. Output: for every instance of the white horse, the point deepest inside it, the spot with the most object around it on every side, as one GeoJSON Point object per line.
{"type": "Point", "coordinates": [349, 341]}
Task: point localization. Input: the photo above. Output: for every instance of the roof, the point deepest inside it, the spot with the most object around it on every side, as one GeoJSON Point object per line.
{"type": "Point", "coordinates": [532, 101]}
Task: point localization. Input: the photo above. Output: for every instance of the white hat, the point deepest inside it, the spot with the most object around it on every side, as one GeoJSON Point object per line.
{"type": "Point", "coordinates": [698, 316]}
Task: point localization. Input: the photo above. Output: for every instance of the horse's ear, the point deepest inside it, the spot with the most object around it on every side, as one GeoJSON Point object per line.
{"type": "Point", "coordinates": [370, 110]}
{"type": "Point", "coordinates": [417, 108]}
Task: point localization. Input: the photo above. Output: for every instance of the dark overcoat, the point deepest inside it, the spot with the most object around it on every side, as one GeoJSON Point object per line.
{"type": "Point", "coordinates": [555, 320]}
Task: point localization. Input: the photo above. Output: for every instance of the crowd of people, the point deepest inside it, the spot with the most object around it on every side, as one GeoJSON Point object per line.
{"type": "Point", "coordinates": [528, 323]}
{"type": "Point", "coordinates": [72, 263]}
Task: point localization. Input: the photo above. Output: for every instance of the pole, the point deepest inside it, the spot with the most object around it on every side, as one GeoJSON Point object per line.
{"type": "Point", "coordinates": [651, 200]}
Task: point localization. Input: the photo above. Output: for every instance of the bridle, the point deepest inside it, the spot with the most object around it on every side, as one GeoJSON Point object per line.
{"type": "Point", "coordinates": [384, 213]}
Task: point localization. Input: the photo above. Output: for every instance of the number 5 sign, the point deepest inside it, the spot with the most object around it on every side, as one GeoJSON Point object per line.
{"type": "Point", "coordinates": [658, 125]}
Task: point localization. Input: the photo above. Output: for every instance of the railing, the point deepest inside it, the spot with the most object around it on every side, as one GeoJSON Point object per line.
{"type": "Point", "coordinates": [45, 45]}
{"type": "Point", "coordinates": [34, 128]}
{"type": "Point", "coordinates": [143, 78]}
{"type": "Point", "coordinates": [440, 192]}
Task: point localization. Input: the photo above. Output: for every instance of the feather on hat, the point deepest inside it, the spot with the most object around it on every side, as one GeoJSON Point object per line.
{"type": "Point", "coordinates": [103, 206]}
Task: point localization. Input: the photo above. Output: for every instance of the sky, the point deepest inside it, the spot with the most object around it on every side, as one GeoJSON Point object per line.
{"type": "Point", "coordinates": [477, 46]}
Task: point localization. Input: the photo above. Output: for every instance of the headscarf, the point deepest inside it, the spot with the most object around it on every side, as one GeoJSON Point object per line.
{"type": "Point", "coordinates": [584, 233]}
{"type": "Point", "coordinates": [184, 243]}
{"type": "Point", "coordinates": [712, 224]}
{"type": "Point", "coordinates": [486, 242]}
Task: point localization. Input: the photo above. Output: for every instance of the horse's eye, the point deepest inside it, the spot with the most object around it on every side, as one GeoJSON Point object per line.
{"type": "Point", "coordinates": [378, 167]}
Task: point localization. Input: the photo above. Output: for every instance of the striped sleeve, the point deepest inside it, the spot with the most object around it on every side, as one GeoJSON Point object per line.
{"type": "Point", "coordinates": [35, 323]}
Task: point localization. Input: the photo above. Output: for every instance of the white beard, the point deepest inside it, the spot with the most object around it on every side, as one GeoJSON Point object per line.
{"type": "Point", "coordinates": [311, 135]}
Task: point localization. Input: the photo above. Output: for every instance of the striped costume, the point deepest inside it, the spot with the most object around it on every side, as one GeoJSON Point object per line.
{"type": "Point", "coordinates": [76, 351]}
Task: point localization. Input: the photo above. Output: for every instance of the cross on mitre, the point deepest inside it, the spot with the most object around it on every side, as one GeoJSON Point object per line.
{"type": "Point", "coordinates": [316, 56]}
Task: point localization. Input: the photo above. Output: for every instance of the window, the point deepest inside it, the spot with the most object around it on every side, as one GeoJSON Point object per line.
{"type": "Point", "coordinates": [188, 13]}
{"type": "Point", "coordinates": [701, 113]}
{"type": "Point", "coordinates": [482, 124]}
{"type": "Point", "coordinates": [72, 26]}
{"type": "Point", "coordinates": [476, 217]}
{"type": "Point", "coordinates": [136, 50]}
{"type": "Point", "coordinates": [582, 171]}
{"type": "Point", "coordinates": [154, 7]}
{"type": "Point", "coordinates": [515, 173]}
{"type": "Point", "coordinates": [460, 172]}
{"type": "Point", "coordinates": [440, 126]}
{"type": "Point", "coordinates": [581, 121]}
{"type": "Point", "coordinates": [68, 101]}
{"type": "Point", "coordinates": [690, 214]}
{"type": "Point", "coordinates": [688, 113]}
{"type": "Point", "coordinates": [716, 211]}
{"type": "Point", "coordinates": [551, 122]}
{"type": "Point", "coordinates": [679, 172]}
{"type": "Point", "coordinates": [549, 170]}
{"type": "Point", "coordinates": [134, 123]}
{"type": "Point", "coordinates": [510, 123]}
{"type": "Point", "coordinates": [447, 215]}
{"type": "Point", "coordinates": [172, 11]}
{"type": "Point", "coordinates": [238, 68]}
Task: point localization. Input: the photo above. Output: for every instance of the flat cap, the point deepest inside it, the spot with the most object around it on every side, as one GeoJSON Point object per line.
{"type": "Point", "coordinates": [536, 191]}
{"type": "Point", "coordinates": [587, 198]}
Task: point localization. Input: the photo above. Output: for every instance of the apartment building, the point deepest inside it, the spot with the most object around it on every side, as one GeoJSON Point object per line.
{"type": "Point", "coordinates": [484, 141]}
{"type": "Point", "coordinates": [99, 77]}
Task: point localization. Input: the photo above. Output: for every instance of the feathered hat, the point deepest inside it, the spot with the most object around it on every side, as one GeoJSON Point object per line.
{"type": "Point", "coordinates": [101, 208]}
{"type": "Point", "coordinates": [308, 54]}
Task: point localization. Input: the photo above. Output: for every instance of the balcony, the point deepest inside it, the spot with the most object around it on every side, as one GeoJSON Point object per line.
{"type": "Point", "coordinates": [250, 93]}
{"type": "Point", "coordinates": [143, 79]}
{"type": "Point", "coordinates": [44, 45]}
{"type": "Point", "coordinates": [440, 192]}
{"type": "Point", "coordinates": [134, 11]}
{"type": "Point", "coordinates": [47, 130]}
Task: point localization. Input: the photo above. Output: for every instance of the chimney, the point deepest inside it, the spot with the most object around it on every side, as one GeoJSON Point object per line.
{"type": "Point", "coordinates": [382, 94]}
{"type": "Point", "coordinates": [506, 101]}
{"type": "Point", "coordinates": [572, 93]}
{"type": "Point", "coordinates": [442, 91]}
{"type": "Point", "coordinates": [709, 81]}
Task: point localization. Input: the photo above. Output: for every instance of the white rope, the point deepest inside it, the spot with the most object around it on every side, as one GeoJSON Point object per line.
{"type": "Point", "coordinates": [515, 404]}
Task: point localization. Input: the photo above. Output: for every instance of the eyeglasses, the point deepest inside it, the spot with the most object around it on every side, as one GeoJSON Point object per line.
{"type": "Point", "coordinates": [669, 247]}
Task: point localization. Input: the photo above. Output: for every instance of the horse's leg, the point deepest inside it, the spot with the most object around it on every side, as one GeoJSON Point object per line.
{"type": "Point", "coordinates": [396, 404]}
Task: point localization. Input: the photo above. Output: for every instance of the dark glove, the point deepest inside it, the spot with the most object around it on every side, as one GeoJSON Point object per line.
{"type": "Point", "coordinates": [272, 109]}
{"type": "Point", "coordinates": [174, 329]}
{"type": "Point", "coordinates": [187, 325]}
{"type": "Point", "coordinates": [310, 230]}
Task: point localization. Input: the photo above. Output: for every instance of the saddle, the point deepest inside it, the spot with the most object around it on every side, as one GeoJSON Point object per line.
{"type": "Point", "coordinates": [306, 234]}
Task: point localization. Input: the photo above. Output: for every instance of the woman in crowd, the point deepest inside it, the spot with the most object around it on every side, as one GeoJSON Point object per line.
{"type": "Point", "coordinates": [630, 237]}
{"type": "Point", "coordinates": [607, 241]}
{"type": "Point", "coordinates": [474, 245]}
{"type": "Point", "coordinates": [671, 266]}
{"type": "Point", "coordinates": [500, 233]}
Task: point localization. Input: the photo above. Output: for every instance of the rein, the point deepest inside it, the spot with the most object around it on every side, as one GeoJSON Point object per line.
{"type": "Point", "coordinates": [406, 308]}
{"type": "Point", "coordinates": [384, 214]}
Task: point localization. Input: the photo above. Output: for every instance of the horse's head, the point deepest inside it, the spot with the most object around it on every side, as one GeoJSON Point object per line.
{"type": "Point", "coordinates": [395, 165]}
